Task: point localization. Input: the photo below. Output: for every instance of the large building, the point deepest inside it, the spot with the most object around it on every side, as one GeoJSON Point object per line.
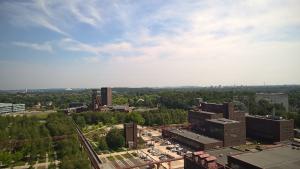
{"type": "Point", "coordinates": [219, 121]}
{"type": "Point", "coordinates": [193, 140]}
{"type": "Point", "coordinates": [272, 129]}
{"type": "Point", "coordinates": [9, 108]}
{"type": "Point", "coordinates": [130, 134]}
{"type": "Point", "coordinates": [274, 98]}
{"type": "Point", "coordinates": [285, 157]}
{"type": "Point", "coordinates": [106, 96]}
{"type": "Point", "coordinates": [231, 132]}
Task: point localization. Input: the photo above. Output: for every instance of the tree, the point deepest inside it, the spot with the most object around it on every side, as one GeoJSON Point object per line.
{"type": "Point", "coordinates": [115, 139]}
{"type": "Point", "coordinates": [102, 144]}
{"type": "Point", "coordinates": [135, 117]}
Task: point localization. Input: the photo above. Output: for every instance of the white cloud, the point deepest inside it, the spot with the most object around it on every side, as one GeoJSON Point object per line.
{"type": "Point", "coordinates": [58, 16]}
{"type": "Point", "coordinates": [35, 46]}
{"type": "Point", "coordinates": [181, 43]}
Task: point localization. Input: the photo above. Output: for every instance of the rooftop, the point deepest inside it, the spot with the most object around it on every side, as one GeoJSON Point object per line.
{"type": "Point", "coordinates": [194, 136]}
{"type": "Point", "coordinates": [204, 112]}
{"type": "Point", "coordinates": [279, 158]}
{"type": "Point", "coordinates": [276, 118]}
{"type": "Point", "coordinates": [222, 121]}
{"type": "Point", "coordinates": [222, 153]}
{"type": "Point", "coordinates": [271, 94]}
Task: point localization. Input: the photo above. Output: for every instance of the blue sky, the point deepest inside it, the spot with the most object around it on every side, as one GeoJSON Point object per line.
{"type": "Point", "coordinates": [74, 43]}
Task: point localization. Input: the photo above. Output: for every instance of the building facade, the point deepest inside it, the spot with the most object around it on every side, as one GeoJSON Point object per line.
{"type": "Point", "coordinates": [130, 134]}
{"type": "Point", "coordinates": [9, 108]}
{"type": "Point", "coordinates": [219, 121]}
{"type": "Point", "coordinates": [106, 96]}
{"type": "Point", "coordinates": [269, 128]}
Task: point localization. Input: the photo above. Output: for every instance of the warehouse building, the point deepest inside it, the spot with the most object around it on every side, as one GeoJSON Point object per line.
{"type": "Point", "coordinates": [271, 129]}
{"type": "Point", "coordinates": [285, 157]}
{"type": "Point", "coordinates": [193, 140]}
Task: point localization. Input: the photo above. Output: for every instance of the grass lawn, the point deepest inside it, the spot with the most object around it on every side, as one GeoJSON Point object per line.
{"type": "Point", "coordinates": [127, 155]}
{"type": "Point", "coordinates": [111, 158]}
{"type": "Point", "coordinates": [119, 157]}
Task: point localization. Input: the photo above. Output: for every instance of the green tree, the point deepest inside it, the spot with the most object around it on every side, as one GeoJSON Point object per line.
{"type": "Point", "coordinates": [135, 117]}
{"type": "Point", "coordinates": [115, 139]}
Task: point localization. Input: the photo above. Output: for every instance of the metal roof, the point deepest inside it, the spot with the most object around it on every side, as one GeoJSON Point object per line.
{"type": "Point", "coordinates": [279, 158]}
{"type": "Point", "coordinates": [193, 136]}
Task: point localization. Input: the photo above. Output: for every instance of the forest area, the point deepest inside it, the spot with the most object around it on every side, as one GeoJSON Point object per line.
{"type": "Point", "coordinates": [30, 139]}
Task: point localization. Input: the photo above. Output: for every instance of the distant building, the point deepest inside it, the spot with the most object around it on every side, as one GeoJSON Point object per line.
{"type": "Point", "coordinates": [76, 107]}
{"type": "Point", "coordinates": [285, 157]}
{"type": "Point", "coordinates": [121, 108]}
{"type": "Point", "coordinates": [9, 108]}
{"type": "Point", "coordinates": [272, 129]}
{"type": "Point", "coordinates": [96, 100]}
{"type": "Point", "coordinates": [106, 96]}
{"type": "Point", "coordinates": [200, 160]}
{"type": "Point", "coordinates": [274, 98]}
{"type": "Point", "coordinates": [130, 134]}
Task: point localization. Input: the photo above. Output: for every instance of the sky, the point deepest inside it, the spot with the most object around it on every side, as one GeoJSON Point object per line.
{"type": "Point", "coordinates": [156, 43]}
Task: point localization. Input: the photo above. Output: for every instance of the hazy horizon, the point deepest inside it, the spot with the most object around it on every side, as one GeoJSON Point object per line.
{"type": "Point", "coordinates": [76, 44]}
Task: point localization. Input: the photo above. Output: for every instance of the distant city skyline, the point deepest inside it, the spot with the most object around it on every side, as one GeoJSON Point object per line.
{"type": "Point", "coordinates": [87, 44]}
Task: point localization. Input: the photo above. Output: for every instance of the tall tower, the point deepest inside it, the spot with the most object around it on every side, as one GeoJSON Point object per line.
{"type": "Point", "coordinates": [106, 96]}
{"type": "Point", "coordinates": [130, 134]}
{"type": "Point", "coordinates": [96, 100]}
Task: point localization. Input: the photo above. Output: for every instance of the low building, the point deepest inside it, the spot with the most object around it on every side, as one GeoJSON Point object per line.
{"type": "Point", "coordinates": [122, 108]}
{"type": "Point", "coordinates": [190, 139]}
{"type": "Point", "coordinates": [200, 160]}
{"type": "Point", "coordinates": [285, 157]}
{"type": "Point", "coordinates": [130, 134]}
{"type": "Point", "coordinates": [269, 129]}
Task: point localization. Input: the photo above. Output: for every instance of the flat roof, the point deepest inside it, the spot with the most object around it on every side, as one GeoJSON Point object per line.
{"type": "Point", "coordinates": [222, 121]}
{"type": "Point", "coordinates": [267, 118]}
{"type": "Point", "coordinates": [204, 112]}
{"type": "Point", "coordinates": [279, 158]}
{"type": "Point", "coordinates": [271, 94]}
{"type": "Point", "coordinates": [193, 136]}
{"type": "Point", "coordinates": [222, 153]}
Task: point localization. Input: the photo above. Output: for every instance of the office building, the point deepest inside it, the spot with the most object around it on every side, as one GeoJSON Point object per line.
{"type": "Point", "coordinates": [269, 128]}
{"type": "Point", "coordinates": [130, 134]}
{"type": "Point", "coordinates": [106, 96]}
